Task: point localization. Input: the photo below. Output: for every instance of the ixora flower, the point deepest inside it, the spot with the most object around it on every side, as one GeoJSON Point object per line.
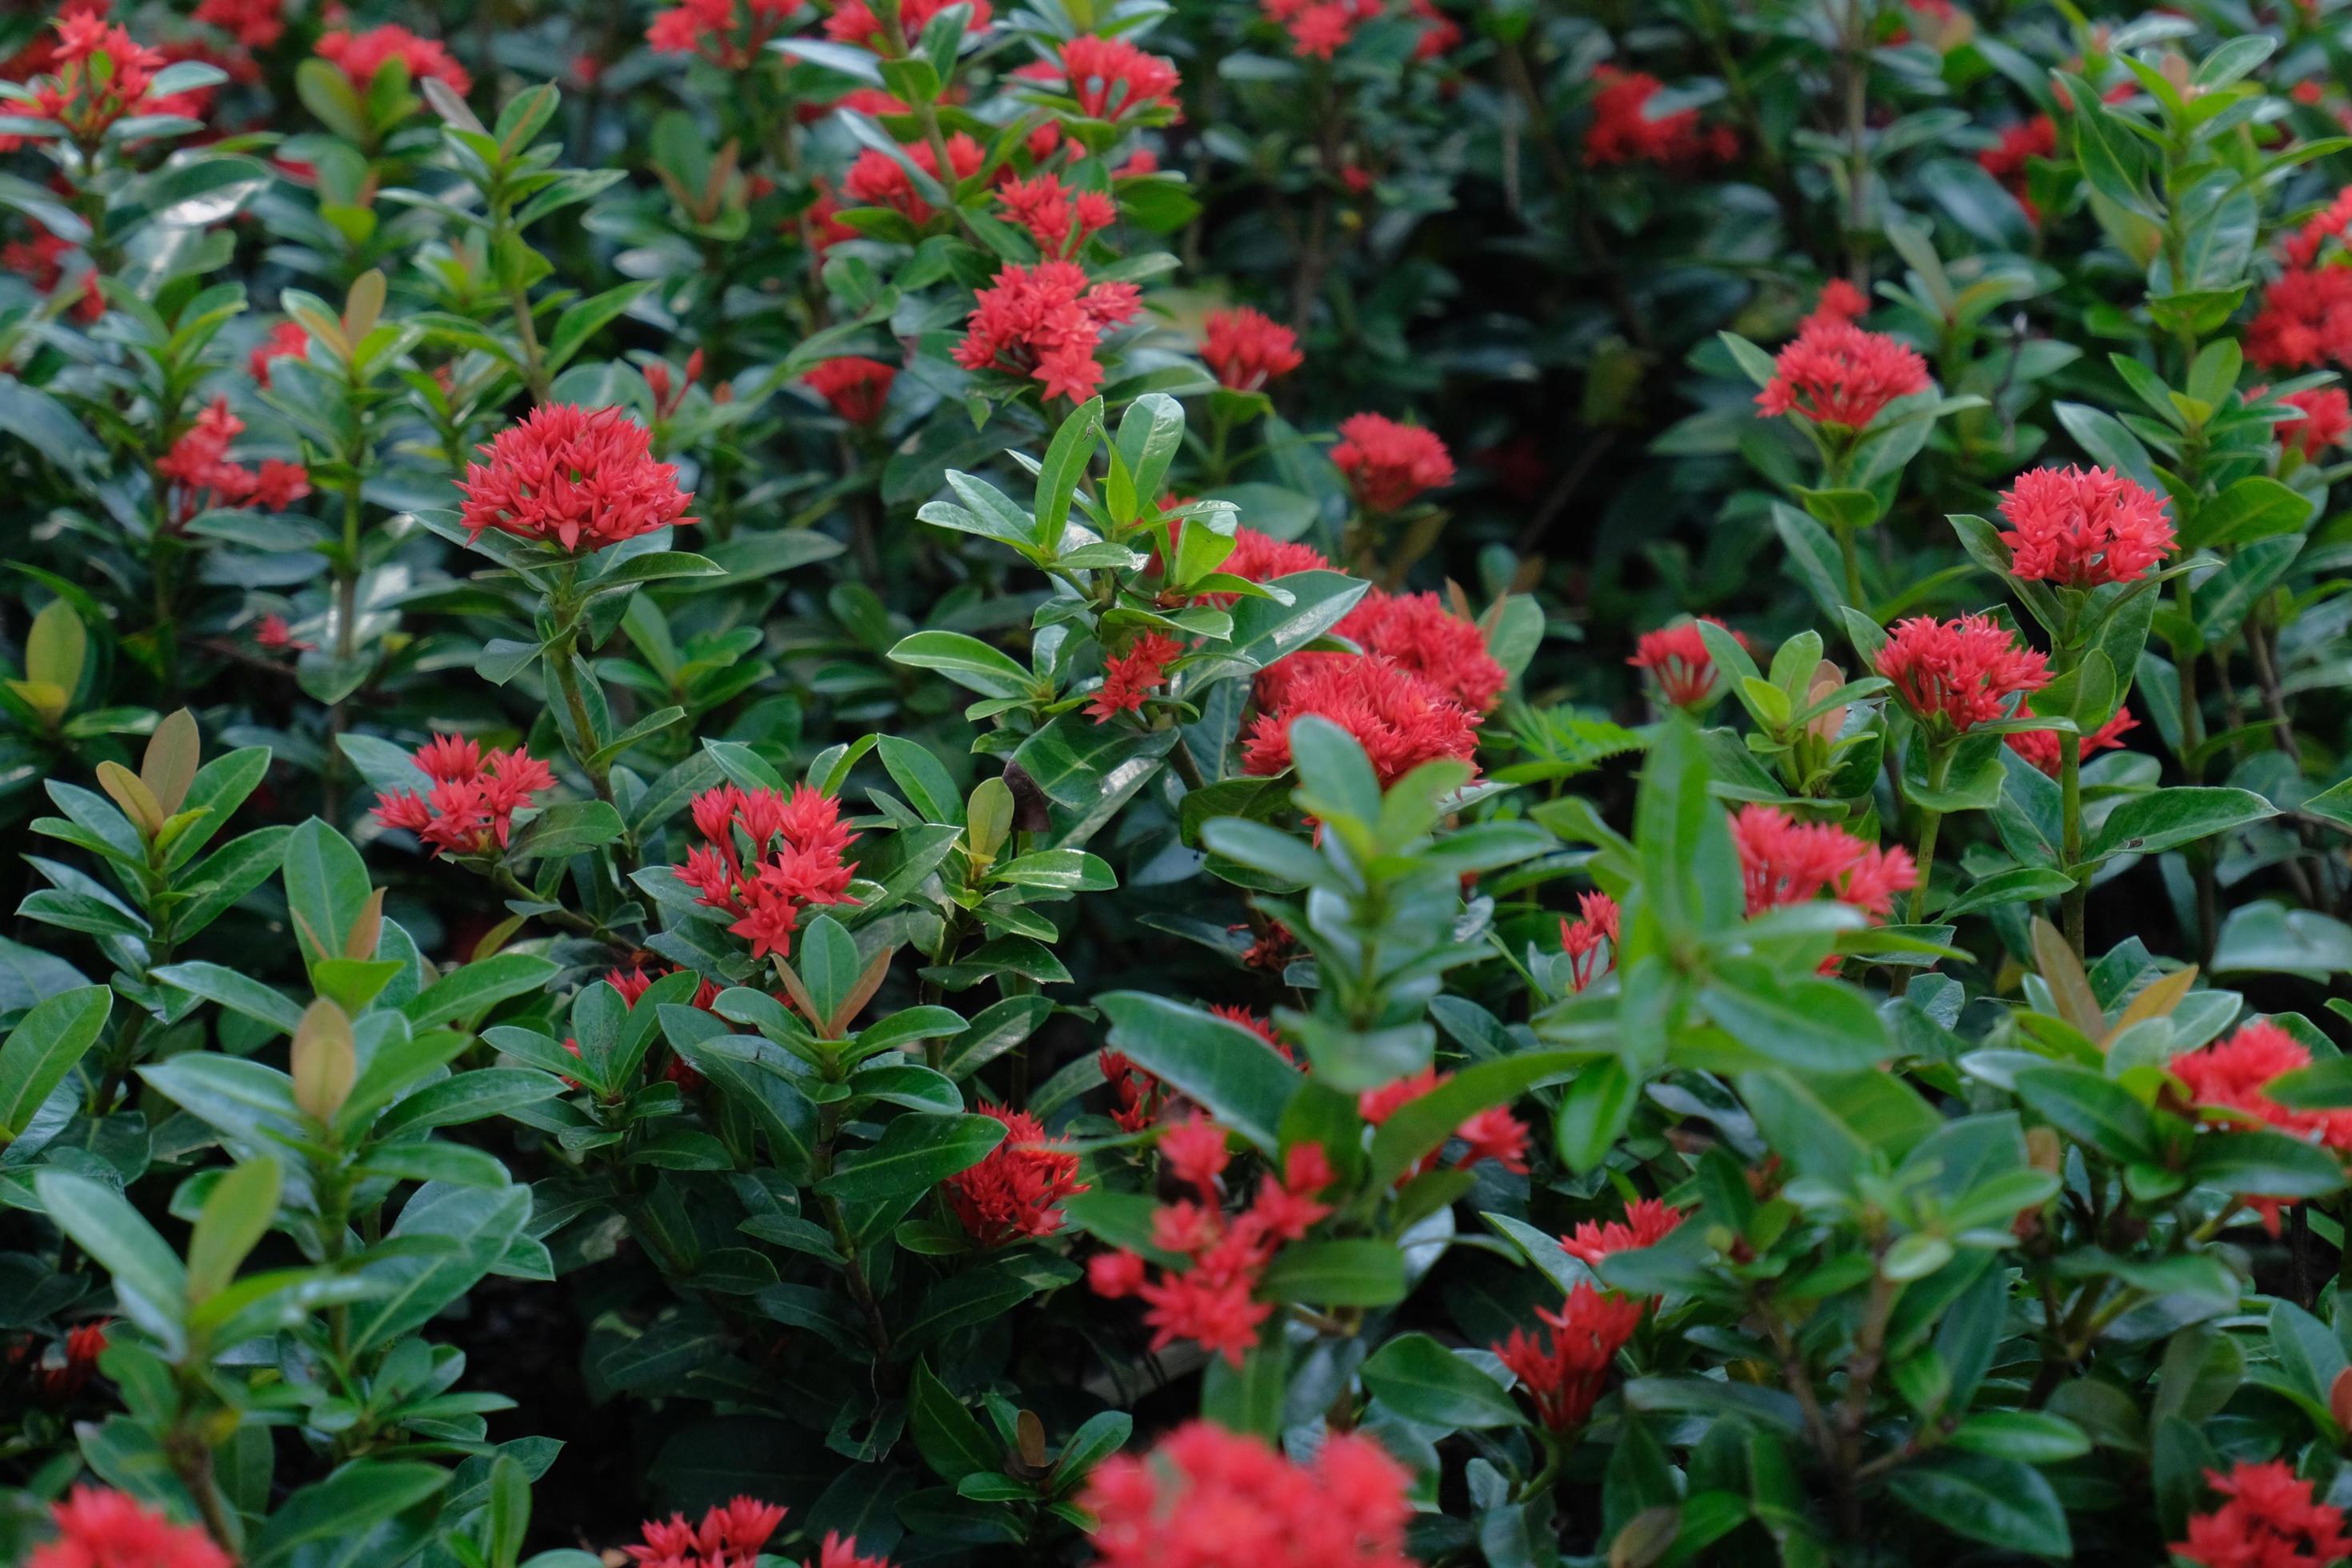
{"type": "Point", "coordinates": [1044, 323]}
{"type": "Point", "coordinates": [1017, 1192]}
{"type": "Point", "coordinates": [1492, 1134]}
{"type": "Point", "coordinates": [858, 389]}
{"type": "Point", "coordinates": [878, 180]}
{"type": "Point", "coordinates": [2325, 420]}
{"type": "Point", "coordinates": [1111, 78]}
{"type": "Point", "coordinates": [203, 477]}
{"type": "Point", "coordinates": [2039, 747]}
{"type": "Point", "coordinates": [1058, 218]}
{"type": "Point", "coordinates": [853, 21]}
{"type": "Point", "coordinates": [1959, 673]}
{"type": "Point", "coordinates": [362, 55]}
{"type": "Point", "coordinates": [1389, 464]}
{"type": "Point", "coordinates": [1677, 660]}
{"type": "Point", "coordinates": [1784, 861]}
{"type": "Point", "coordinates": [1245, 349]}
{"type": "Point", "coordinates": [731, 1534]}
{"type": "Point", "coordinates": [2228, 1083]}
{"type": "Point", "coordinates": [1207, 1498]}
{"type": "Point", "coordinates": [2268, 1520]}
{"type": "Point", "coordinates": [286, 340]}
{"type": "Point", "coordinates": [573, 476]}
{"type": "Point", "coordinates": [255, 24]}
{"type": "Point", "coordinates": [794, 859]}
{"type": "Point", "coordinates": [1566, 1375]}
{"type": "Point", "coordinates": [1840, 301]}
{"type": "Point", "coordinates": [1131, 676]}
{"type": "Point", "coordinates": [1400, 719]}
{"type": "Point", "coordinates": [101, 1529]}
{"type": "Point", "coordinates": [1647, 1222]}
{"type": "Point", "coordinates": [717, 30]}
{"type": "Point", "coordinates": [473, 800]}
{"type": "Point", "coordinates": [1590, 940]}
{"type": "Point", "coordinates": [2082, 528]}
{"type": "Point", "coordinates": [1836, 373]}
{"type": "Point", "coordinates": [1623, 130]}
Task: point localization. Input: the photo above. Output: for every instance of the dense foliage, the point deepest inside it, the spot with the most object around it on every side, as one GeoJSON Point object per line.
{"type": "Point", "coordinates": [1337, 783]}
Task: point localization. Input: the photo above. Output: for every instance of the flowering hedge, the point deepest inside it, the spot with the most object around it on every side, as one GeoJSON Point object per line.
{"type": "Point", "coordinates": [883, 782]}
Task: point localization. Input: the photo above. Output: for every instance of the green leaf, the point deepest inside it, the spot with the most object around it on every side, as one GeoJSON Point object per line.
{"type": "Point", "coordinates": [966, 660]}
{"type": "Point", "coordinates": [2090, 1109]}
{"type": "Point", "coordinates": [237, 1216]}
{"type": "Point", "coordinates": [949, 1438]}
{"type": "Point", "coordinates": [43, 1048]}
{"type": "Point", "coordinates": [1422, 1381]}
{"type": "Point", "coordinates": [468, 992]}
{"type": "Point", "coordinates": [2167, 818]}
{"type": "Point", "coordinates": [1986, 1498]}
{"type": "Point", "coordinates": [1229, 1070]}
{"type": "Point", "coordinates": [1594, 1112]}
{"type": "Point", "coordinates": [2257, 1162]}
{"type": "Point", "coordinates": [326, 888]}
{"type": "Point", "coordinates": [1690, 876]}
{"type": "Point", "coordinates": [149, 1280]}
{"type": "Point", "coordinates": [1344, 1272]}
{"type": "Point", "coordinates": [1425, 1123]}
{"type": "Point", "coordinates": [344, 1507]}
{"type": "Point", "coordinates": [1805, 1024]}
{"type": "Point", "coordinates": [914, 1154]}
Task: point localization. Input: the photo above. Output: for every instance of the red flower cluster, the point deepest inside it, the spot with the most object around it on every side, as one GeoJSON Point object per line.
{"type": "Point", "coordinates": [720, 32]}
{"type": "Point", "coordinates": [1389, 464]}
{"type": "Point", "coordinates": [362, 55]}
{"type": "Point", "coordinates": [1419, 634]}
{"type": "Point", "coordinates": [473, 800]}
{"type": "Point", "coordinates": [42, 261]}
{"type": "Point", "coordinates": [1140, 1096]}
{"type": "Point", "coordinates": [57, 1381]}
{"type": "Point", "coordinates": [2039, 747]}
{"type": "Point", "coordinates": [1440, 33]}
{"type": "Point", "coordinates": [2228, 1082]}
{"type": "Point", "coordinates": [567, 475]}
{"type": "Point", "coordinates": [1590, 940]}
{"type": "Point", "coordinates": [1015, 1193]}
{"type": "Point", "coordinates": [1961, 672]}
{"type": "Point", "coordinates": [2079, 527]}
{"type": "Point", "coordinates": [286, 340]}
{"type": "Point", "coordinates": [2305, 318]}
{"type": "Point", "coordinates": [854, 23]}
{"type": "Point", "coordinates": [1834, 373]}
{"type": "Point", "coordinates": [1058, 218]}
{"type": "Point", "coordinates": [272, 634]}
{"type": "Point", "coordinates": [2326, 421]}
{"type": "Point", "coordinates": [1647, 1222]}
{"type": "Point", "coordinates": [1044, 323]}
{"type": "Point", "coordinates": [878, 180]}
{"type": "Point", "coordinates": [101, 75]}
{"type": "Point", "coordinates": [729, 1536]}
{"type": "Point", "coordinates": [1129, 676]}
{"type": "Point", "coordinates": [103, 1529]}
{"type": "Point", "coordinates": [1111, 77]}
{"type": "Point", "coordinates": [1207, 1498]}
{"type": "Point", "coordinates": [255, 24]}
{"type": "Point", "coordinates": [1321, 28]}
{"type": "Point", "coordinates": [1245, 349]}
{"type": "Point", "coordinates": [857, 388]}
{"type": "Point", "coordinates": [1208, 1300]}
{"type": "Point", "coordinates": [1625, 132]}
{"type": "Point", "coordinates": [1784, 861]}
{"type": "Point", "coordinates": [2034, 138]}
{"type": "Point", "coordinates": [794, 859]}
{"type": "Point", "coordinates": [1566, 1377]}
{"type": "Point", "coordinates": [1400, 719]}
{"type": "Point", "coordinates": [2270, 1521]}
{"type": "Point", "coordinates": [1677, 660]}
{"type": "Point", "coordinates": [1261, 558]}
{"type": "Point", "coordinates": [198, 464]}
{"type": "Point", "coordinates": [1840, 301]}
{"type": "Point", "coordinates": [1493, 1134]}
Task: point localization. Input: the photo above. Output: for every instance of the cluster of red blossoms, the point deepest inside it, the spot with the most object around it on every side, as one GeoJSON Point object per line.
{"type": "Point", "coordinates": [569, 474]}
{"type": "Point", "coordinates": [1245, 349]}
{"type": "Point", "coordinates": [2039, 747]}
{"type": "Point", "coordinates": [728, 35]}
{"type": "Point", "coordinates": [1319, 28]}
{"type": "Point", "coordinates": [1960, 673]}
{"type": "Point", "coordinates": [473, 800]}
{"type": "Point", "coordinates": [255, 24]}
{"type": "Point", "coordinates": [877, 180]}
{"type": "Point", "coordinates": [2270, 1521]}
{"type": "Point", "coordinates": [103, 1529]}
{"type": "Point", "coordinates": [1207, 1498]}
{"type": "Point", "coordinates": [1058, 218]}
{"type": "Point", "coordinates": [1210, 1300]}
{"type": "Point", "coordinates": [2006, 160]}
{"type": "Point", "coordinates": [362, 55]}
{"type": "Point", "coordinates": [101, 75]}
{"type": "Point", "coordinates": [1131, 676]}
{"type": "Point", "coordinates": [1625, 132]}
{"type": "Point", "coordinates": [853, 23]}
{"type": "Point", "coordinates": [1839, 302]}
{"type": "Point", "coordinates": [1590, 940]}
{"type": "Point", "coordinates": [1111, 77]}
{"type": "Point", "coordinates": [2325, 421]}
{"type": "Point", "coordinates": [1389, 464]}
{"type": "Point", "coordinates": [2305, 318]}
{"type": "Point", "coordinates": [1566, 1375]}
{"type": "Point", "coordinates": [2229, 1081]}
{"type": "Point", "coordinates": [1784, 861]}
{"type": "Point", "coordinates": [2082, 528]}
{"type": "Point", "coordinates": [199, 467]}
{"type": "Point", "coordinates": [55, 1382]}
{"type": "Point", "coordinates": [1677, 660]}
{"type": "Point", "coordinates": [1493, 1134]}
{"type": "Point", "coordinates": [857, 388]}
{"type": "Point", "coordinates": [1647, 1222]}
{"type": "Point", "coordinates": [789, 856]}
{"type": "Point", "coordinates": [1044, 323]}
{"type": "Point", "coordinates": [1016, 1192]}
{"type": "Point", "coordinates": [1835, 372]}
{"type": "Point", "coordinates": [731, 1536]}
{"type": "Point", "coordinates": [41, 261]}
{"type": "Point", "coordinates": [286, 340]}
